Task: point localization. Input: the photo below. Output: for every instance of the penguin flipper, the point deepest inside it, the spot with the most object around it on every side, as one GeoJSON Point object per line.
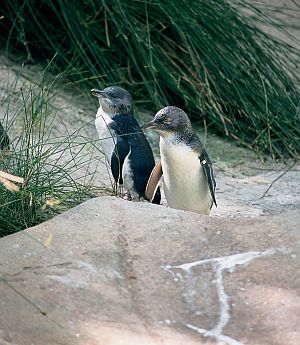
{"type": "Point", "coordinates": [208, 171]}
{"type": "Point", "coordinates": [153, 181]}
{"type": "Point", "coordinates": [120, 152]}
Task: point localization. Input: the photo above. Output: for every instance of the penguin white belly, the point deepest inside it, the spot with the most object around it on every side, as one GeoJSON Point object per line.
{"type": "Point", "coordinates": [128, 178]}
{"type": "Point", "coordinates": [105, 133]}
{"type": "Point", "coordinates": [185, 183]}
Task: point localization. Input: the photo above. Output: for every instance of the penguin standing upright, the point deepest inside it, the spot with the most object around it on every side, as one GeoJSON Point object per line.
{"type": "Point", "coordinates": [124, 144]}
{"type": "Point", "coordinates": [188, 179]}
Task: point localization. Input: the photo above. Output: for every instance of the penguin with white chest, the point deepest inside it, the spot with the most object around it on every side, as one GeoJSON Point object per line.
{"type": "Point", "coordinates": [124, 145]}
{"type": "Point", "coordinates": [188, 179]}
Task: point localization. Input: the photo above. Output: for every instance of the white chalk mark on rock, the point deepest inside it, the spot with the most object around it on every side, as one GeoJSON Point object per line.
{"type": "Point", "coordinates": [218, 265]}
{"type": "Point", "coordinates": [221, 337]}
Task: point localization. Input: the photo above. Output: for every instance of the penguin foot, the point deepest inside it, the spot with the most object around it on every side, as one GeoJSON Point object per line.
{"type": "Point", "coordinates": [127, 196]}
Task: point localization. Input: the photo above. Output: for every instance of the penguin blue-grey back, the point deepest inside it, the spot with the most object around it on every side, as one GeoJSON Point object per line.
{"type": "Point", "coordinates": [123, 143]}
{"type": "Point", "coordinates": [188, 178]}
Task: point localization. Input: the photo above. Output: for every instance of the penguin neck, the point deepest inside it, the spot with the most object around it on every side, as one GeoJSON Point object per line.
{"type": "Point", "coordinates": [104, 113]}
{"type": "Point", "coordinates": [113, 109]}
{"type": "Point", "coordinates": [103, 118]}
{"type": "Point", "coordinates": [112, 113]}
{"type": "Point", "coordinates": [177, 138]}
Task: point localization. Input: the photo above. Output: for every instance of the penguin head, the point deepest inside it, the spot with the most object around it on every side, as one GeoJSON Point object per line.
{"type": "Point", "coordinates": [114, 100]}
{"type": "Point", "coordinates": [169, 121]}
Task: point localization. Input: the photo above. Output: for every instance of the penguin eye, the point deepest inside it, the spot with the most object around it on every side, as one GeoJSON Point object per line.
{"type": "Point", "coordinates": [158, 120]}
{"type": "Point", "coordinates": [164, 120]}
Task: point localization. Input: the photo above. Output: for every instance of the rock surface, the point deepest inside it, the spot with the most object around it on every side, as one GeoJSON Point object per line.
{"type": "Point", "coordinates": [116, 272]}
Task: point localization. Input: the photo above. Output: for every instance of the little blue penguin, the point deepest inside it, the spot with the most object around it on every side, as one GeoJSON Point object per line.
{"type": "Point", "coordinates": [188, 179]}
{"type": "Point", "coordinates": [124, 145]}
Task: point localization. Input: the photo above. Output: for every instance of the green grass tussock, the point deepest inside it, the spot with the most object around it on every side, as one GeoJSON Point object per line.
{"type": "Point", "coordinates": [202, 56]}
{"type": "Point", "coordinates": [55, 167]}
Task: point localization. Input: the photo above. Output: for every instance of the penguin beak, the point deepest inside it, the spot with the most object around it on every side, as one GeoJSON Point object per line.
{"type": "Point", "coordinates": [99, 93]}
{"type": "Point", "coordinates": [149, 125]}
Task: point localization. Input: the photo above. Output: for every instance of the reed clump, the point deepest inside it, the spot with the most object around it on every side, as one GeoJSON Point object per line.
{"type": "Point", "coordinates": [206, 57]}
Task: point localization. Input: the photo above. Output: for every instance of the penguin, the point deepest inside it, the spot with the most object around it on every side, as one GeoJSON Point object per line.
{"type": "Point", "coordinates": [124, 145]}
{"type": "Point", "coordinates": [188, 179]}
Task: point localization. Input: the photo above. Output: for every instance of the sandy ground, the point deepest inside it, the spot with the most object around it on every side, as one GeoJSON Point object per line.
{"type": "Point", "coordinates": [287, 12]}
